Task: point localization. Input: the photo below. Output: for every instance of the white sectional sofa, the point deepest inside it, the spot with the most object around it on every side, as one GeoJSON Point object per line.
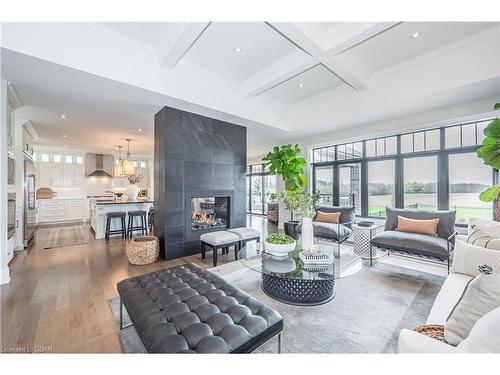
{"type": "Point", "coordinates": [485, 335]}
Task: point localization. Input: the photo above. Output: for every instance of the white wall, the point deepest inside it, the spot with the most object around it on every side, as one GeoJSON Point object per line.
{"type": "Point", "coordinates": [4, 268]}
{"type": "Point", "coordinates": [422, 120]}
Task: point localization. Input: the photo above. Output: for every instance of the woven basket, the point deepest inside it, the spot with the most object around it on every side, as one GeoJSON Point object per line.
{"type": "Point", "coordinates": [432, 330]}
{"type": "Point", "coordinates": [143, 250]}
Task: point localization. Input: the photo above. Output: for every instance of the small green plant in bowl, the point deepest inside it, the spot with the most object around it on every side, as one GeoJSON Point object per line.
{"type": "Point", "coordinates": [279, 238]}
{"type": "Point", "coordinates": [279, 244]}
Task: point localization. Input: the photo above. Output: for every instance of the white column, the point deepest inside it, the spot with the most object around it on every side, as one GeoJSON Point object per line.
{"type": "Point", "coordinates": [4, 268]}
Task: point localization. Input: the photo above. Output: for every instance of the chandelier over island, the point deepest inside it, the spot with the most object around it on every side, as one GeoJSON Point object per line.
{"type": "Point", "coordinates": [128, 163]}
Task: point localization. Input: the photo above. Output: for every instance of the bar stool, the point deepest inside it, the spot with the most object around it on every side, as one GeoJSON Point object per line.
{"type": "Point", "coordinates": [131, 227]}
{"type": "Point", "coordinates": [151, 219]}
{"type": "Point", "coordinates": [115, 215]}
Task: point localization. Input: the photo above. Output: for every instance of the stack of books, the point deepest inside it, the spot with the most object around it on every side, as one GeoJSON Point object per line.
{"type": "Point", "coordinates": [315, 261]}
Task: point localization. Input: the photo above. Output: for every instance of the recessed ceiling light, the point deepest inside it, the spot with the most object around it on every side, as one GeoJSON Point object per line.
{"type": "Point", "coordinates": [237, 50]}
{"type": "Point", "coordinates": [415, 35]}
{"type": "Point", "coordinates": [140, 130]}
{"type": "Point", "coordinates": [65, 146]}
{"type": "Point", "coordinates": [63, 116]}
{"type": "Point", "coordinates": [301, 85]}
{"type": "Point", "coordinates": [64, 136]}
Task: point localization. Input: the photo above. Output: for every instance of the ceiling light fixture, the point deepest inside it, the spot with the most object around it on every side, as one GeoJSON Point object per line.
{"type": "Point", "coordinates": [140, 130]}
{"type": "Point", "coordinates": [301, 85]}
{"type": "Point", "coordinates": [128, 163]}
{"type": "Point", "coordinates": [64, 136]}
{"type": "Point", "coordinates": [63, 116]}
{"type": "Point", "coordinates": [237, 50]}
{"type": "Point", "coordinates": [118, 171]}
{"type": "Point", "coordinates": [415, 35]}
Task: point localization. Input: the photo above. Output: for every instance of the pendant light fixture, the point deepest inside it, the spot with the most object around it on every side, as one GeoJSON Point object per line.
{"type": "Point", "coordinates": [119, 164]}
{"type": "Point", "coordinates": [128, 163]}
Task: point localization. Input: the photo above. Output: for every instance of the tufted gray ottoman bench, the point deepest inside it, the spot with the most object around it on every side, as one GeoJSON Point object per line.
{"type": "Point", "coordinates": [187, 309]}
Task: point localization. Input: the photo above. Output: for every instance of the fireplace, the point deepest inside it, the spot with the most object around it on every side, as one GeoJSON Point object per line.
{"type": "Point", "coordinates": [209, 213]}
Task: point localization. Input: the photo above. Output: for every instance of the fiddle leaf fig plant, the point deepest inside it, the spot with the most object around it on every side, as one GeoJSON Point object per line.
{"type": "Point", "coordinates": [285, 162]}
{"type": "Point", "coordinates": [490, 153]}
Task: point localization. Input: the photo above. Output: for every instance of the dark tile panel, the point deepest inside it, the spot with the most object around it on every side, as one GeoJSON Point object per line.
{"type": "Point", "coordinates": [195, 168]}
{"type": "Point", "coordinates": [174, 217]}
{"type": "Point", "coordinates": [192, 248]}
{"type": "Point", "coordinates": [174, 234]}
{"type": "Point", "coordinates": [174, 250]}
{"type": "Point", "coordinates": [197, 183]}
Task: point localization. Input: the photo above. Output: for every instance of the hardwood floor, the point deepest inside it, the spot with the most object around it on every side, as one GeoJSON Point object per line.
{"type": "Point", "coordinates": [57, 300]}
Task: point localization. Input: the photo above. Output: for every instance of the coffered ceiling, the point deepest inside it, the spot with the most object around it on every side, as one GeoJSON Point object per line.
{"type": "Point", "coordinates": [273, 77]}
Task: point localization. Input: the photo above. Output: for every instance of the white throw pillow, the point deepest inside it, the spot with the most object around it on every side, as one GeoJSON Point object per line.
{"type": "Point", "coordinates": [490, 227]}
{"type": "Point", "coordinates": [480, 297]}
{"type": "Point", "coordinates": [467, 258]}
{"type": "Point", "coordinates": [485, 335]}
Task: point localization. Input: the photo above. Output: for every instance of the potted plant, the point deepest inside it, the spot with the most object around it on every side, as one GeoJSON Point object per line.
{"type": "Point", "coordinates": [286, 162]}
{"type": "Point", "coordinates": [490, 153]}
{"type": "Point", "coordinates": [132, 188]}
{"type": "Point", "coordinates": [279, 244]}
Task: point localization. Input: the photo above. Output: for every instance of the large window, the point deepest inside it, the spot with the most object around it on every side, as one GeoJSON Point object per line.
{"type": "Point", "coordinates": [324, 184]}
{"type": "Point", "coordinates": [380, 187]}
{"type": "Point", "coordinates": [468, 177]}
{"type": "Point", "coordinates": [429, 169]}
{"type": "Point", "coordinates": [420, 183]}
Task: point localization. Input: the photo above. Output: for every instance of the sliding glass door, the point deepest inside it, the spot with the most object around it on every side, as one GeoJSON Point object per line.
{"type": "Point", "coordinates": [323, 183]}
{"type": "Point", "coordinates": [260, 185]}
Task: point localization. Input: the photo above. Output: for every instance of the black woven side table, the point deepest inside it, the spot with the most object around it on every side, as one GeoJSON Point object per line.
{"type": "Point", "coordinates": [299, 292]}
{"type": "Point", "coordinates": [286, 279]}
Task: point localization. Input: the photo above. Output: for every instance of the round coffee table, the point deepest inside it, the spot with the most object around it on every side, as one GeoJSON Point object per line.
{"type": "Point", "coordinates": [286, 279]}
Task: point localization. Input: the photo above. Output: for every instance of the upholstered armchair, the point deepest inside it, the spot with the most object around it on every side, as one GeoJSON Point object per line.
{"type": "Point", "coordinates": [333, 232]}
{"type": "Point", "coordinates": [437, 247]}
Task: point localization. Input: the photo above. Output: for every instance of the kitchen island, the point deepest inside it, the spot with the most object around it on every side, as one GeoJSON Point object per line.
{"type": "Point", "coordinates": [99, 208]}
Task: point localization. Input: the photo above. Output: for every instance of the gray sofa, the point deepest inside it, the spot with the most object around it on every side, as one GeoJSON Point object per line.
{"type": "Point", "coordinates": [437, 247]}
{"type": "Point", "coordinates": [334, 232]}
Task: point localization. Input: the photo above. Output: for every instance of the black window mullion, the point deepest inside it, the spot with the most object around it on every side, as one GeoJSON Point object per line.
{"type": "Point", "coordinates": [336, 185]}
{"type": "Point", "coordinates": [443, 182]}
{"type": "Point", "coordinates": [364, 188]}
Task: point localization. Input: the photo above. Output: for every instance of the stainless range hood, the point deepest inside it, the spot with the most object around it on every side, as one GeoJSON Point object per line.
{"type": "Point", "coordinates": [99, 165]}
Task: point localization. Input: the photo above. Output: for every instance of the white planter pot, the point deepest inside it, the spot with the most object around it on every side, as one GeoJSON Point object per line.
{"type": "Point", "coordinates": [279, 249]}
{"type": "Point", "coordinates": [307, 234]}
{"type": "Point", "coordinates": [132, 191]}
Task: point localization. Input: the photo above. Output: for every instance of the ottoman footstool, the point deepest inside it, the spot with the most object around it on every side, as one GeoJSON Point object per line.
{"type": "Point", "coordinates": [218, 240]}
{"type": "Point", "coordinates": [245, 235]}
{"type": "Point", "coordinates": [187, 309]}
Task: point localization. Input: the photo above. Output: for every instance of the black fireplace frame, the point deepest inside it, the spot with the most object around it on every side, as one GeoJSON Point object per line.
{"type": "Point", "coordinates": [192, 235]}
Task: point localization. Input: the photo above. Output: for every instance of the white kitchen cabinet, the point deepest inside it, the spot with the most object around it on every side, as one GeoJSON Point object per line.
{"type": "Point", "coordinates": [44, 174]}
{"type": "Point", "coordinates": [60, 210]}
{"type": "Point", "coordinates": [79, 174]}
{"type": "Point", "coordinates": [68, 175]}
{"type": "Point", "coordinates": [60, 174]}
{"type": "Point", "coordinates": [57, 174]}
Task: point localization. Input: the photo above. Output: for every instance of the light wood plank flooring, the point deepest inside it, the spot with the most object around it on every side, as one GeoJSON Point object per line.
{"type": "Point", "coordinates": [59, 298]}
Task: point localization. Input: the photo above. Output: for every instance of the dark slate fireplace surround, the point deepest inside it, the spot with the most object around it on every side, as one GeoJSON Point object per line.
{"type": "Point", "coordinates": [195, 156]}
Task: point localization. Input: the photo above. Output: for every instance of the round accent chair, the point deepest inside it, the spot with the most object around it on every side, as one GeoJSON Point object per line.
{"type": "Point", "coordinates": [143, 250]}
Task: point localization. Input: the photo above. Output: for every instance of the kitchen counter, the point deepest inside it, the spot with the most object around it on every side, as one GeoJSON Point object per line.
{"type": "Point", "coordinates": [120, 201]}
{"type": "Point", "coordinates": [99, 207]}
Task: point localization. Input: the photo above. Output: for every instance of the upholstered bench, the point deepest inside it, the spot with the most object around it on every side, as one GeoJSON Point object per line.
{"type": "Point", "coordinates": [218, 240]}
{"type": "Point", "coordinates": [245, 235]}
{"type": "Point", "coordinates": [187, 309]}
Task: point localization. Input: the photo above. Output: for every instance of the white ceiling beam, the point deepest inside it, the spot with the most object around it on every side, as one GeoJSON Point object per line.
{"type": "Point", "coordinates": [320, 56]}
{"type": "Point", "coordinates": [297, 37]}
{"type": "Point", "coordinates": [176, 49]}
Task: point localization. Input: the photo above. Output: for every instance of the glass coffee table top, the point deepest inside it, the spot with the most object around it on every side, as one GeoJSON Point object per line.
{"type": "Point", "coordinates": [290, 266]}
